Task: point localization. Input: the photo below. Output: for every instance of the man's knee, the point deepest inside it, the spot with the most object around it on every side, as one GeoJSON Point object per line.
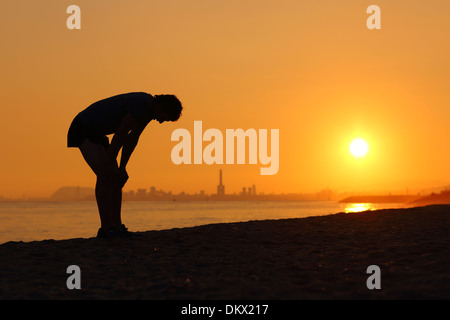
{"type": "Point", "coordinates": [109, 174]}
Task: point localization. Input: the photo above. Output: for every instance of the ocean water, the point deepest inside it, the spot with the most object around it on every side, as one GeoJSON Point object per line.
{"type": "Point", "coordinates": [30, 221]}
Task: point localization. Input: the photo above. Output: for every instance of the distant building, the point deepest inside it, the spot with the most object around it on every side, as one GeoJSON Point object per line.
{"type": "Point", "coordinates": [220, 187]}
{"type": "Point", "coordinates": [128, 196]}
{"type": "Point", "coordinates": [141, 194]}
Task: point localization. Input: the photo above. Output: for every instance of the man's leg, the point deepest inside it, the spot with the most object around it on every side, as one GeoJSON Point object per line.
{"type": "Point", "coordinates": [107, 182]}
{"type": "Point", "coordinates": [116, 204]}
{"type": "Point", "coordinates": [103, 196]}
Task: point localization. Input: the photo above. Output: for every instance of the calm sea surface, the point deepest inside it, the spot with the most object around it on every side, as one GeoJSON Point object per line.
{"type": "Point", "coordinates": [29, 221]}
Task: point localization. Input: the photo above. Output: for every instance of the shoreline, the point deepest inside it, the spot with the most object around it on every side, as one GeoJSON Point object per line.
{"type": "Point", "coordinates": [318, 257]}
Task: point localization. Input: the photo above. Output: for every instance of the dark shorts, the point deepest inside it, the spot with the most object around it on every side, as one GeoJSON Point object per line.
{"type": "Point", "coordinates": [79, 131]}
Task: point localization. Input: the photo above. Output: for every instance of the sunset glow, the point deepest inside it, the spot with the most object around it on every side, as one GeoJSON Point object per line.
{"type": "Point", "coordinates": [312, 70]}
{"type": "Point", "coordinates": [359, 207]}
{"type": "Point", "coordinates": [359, 148]}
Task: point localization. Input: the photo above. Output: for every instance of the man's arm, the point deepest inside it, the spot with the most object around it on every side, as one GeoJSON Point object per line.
{"type": "Point", "coordinates": [126, 138]}
{"type": "Point", "coordinates": [129, 145]}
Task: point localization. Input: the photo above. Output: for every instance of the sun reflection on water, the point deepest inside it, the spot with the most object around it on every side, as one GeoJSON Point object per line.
{"type": "Point", "coordinates": [359, 207]}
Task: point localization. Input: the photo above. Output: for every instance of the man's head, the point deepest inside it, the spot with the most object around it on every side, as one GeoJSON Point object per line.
{"type": "Point", "coordinates": [168, 108]}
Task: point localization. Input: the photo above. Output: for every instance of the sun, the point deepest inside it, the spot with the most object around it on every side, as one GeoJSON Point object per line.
{"type": "Point", "coordinates": [359, 148]}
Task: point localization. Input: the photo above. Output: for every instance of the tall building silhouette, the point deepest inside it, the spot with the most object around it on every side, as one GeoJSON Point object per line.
{"type": "Point", "coordinates": [220, 187]}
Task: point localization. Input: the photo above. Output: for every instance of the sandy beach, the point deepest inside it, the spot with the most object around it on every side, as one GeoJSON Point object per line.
{"type": "Point", "coordinates": [322, 257]}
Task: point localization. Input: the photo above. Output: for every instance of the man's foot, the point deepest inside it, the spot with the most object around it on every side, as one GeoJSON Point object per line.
{"type": "Point", "coordinates": [128, 234]}
{"type": "Point", "coordinates": [112, 232]}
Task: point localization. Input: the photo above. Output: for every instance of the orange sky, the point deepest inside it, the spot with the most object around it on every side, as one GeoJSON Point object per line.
{"type": "Point", "coordinates": [308, 68]}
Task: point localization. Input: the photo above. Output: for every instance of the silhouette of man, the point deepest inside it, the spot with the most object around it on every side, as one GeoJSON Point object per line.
{"type": "Point", "coordinates": [125, 116]}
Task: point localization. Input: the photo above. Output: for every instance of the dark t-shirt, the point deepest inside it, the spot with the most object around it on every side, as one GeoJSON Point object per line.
{"type": "Point", "coordinates": [104, 117]}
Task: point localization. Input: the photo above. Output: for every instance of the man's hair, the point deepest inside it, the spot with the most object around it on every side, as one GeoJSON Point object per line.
{"type": "Point", "coordinates": [170, 105]}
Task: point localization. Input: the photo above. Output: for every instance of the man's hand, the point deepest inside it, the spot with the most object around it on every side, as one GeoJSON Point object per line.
{"type": "Point", "coordinates": [114, 174]}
